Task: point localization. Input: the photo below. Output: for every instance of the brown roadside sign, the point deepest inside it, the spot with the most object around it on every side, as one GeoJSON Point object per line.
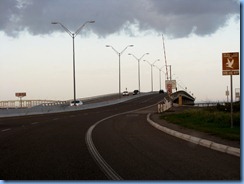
{"type": "Point", "coordinates": [20, 94]}
{"type": "Point", "coordinates": [230, 63]}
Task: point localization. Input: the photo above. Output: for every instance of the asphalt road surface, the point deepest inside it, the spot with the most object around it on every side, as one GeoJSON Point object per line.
{"type": "Point", "coordinates": [58, 147]}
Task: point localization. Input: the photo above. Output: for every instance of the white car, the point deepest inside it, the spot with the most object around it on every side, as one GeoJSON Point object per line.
{"type": "Point", "coordinates": [125, 93]}
{"type": "Point", "coordinates": [77, 103]}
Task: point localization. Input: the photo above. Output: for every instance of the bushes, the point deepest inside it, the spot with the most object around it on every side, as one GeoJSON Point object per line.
{"type": "Point", "coordinates": [209, 119]}
{"type": "Point", "coordinates": [226, 107]}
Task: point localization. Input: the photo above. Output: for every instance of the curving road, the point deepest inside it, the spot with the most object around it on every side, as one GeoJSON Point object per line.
{"type": "Point", "coordinates": [58, 147]}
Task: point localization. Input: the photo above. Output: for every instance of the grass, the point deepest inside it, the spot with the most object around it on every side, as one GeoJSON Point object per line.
{"type": "Point", "coordinates": [209, 120]}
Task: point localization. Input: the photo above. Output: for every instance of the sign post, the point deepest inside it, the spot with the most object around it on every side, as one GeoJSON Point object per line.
{"type": "Point", "coordinates": [169, 85]}
{"type": "Point", "coordinates": [230, 66]}
{"type": "Point", "coordinates": [20, 95]}
{"type": "Point", "coordinates": [227, 94]}
{"type": "Point", "coordinates": [237, 93]}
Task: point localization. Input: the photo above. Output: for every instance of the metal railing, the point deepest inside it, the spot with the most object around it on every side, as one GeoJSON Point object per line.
{"type": "Point", "coordinates": [13, 104]}
{"type": "Point", "coordinates": [208, 104]}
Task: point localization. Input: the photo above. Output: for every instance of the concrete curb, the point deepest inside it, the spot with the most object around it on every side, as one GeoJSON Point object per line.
{"type": "Point", "coordinates": [202, 142]}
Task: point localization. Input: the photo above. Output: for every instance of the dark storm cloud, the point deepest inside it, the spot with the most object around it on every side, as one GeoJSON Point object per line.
{"type": "Point", "coordinates": [177, 18]}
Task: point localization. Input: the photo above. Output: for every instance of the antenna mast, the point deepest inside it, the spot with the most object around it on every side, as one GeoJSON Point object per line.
{"type": "Point", "coordinates": [165, 59]}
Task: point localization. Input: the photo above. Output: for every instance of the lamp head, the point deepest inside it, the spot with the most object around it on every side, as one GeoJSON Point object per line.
{"type": "Point", "coordinates": [54, 22]}
{"type": "Point", "coordinates": [107, 45]}
{"type": "Point", "coordinates": [92, 21]}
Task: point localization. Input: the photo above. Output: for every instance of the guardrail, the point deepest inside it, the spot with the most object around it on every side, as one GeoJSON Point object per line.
{"type": "Point", "coordinates": [208, 104]}
{"type": "Point", "coordinates": [164, 106]}
{"type": "Point", "coordinates": [13, 104]}
{"type": "Point", "coordinates": [55, 103]}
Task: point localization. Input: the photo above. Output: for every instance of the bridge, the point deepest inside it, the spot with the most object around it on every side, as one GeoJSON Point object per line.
{"type": "Point", "coordinates": [13, 104]}
{"type": "Point", "coordinates": [182, 98]}
{"type": "Point", "coordinates": [176, 97]}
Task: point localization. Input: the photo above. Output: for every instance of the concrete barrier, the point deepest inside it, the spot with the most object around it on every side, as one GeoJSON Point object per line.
{"type": "Point", "coordinates": [164, 106]}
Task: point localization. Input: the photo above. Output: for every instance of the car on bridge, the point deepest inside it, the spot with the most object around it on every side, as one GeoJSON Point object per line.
{"type": "Point", "coordinates": [125, 93]}
{"type": "Point", "coordinates": [77, 103]}
{"type": "Point", "coordinates": [136, 92]}
{"type": "Point", "coordinates": [161, 91]}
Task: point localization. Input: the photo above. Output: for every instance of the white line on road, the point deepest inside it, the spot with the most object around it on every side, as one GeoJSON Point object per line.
{"type": "Point", "coordinates": [6, 129]}
{"type": "Point", "coordinates": [34, 123]}
{"type": "Point", "coordinates": [105, 167]}
{"type": "Point", "coordinates": [108, 171]}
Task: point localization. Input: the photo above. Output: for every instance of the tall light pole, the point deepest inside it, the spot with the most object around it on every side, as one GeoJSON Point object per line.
{"type": "Point", "coordinates": [119, 54]}
{"type": "Point", "coordinates": [152, 71]}
{"type": "Point", "coordinates": [73, 35]}
{"type": "Point", "coordinates": [160, 70]}
{"type": "Point", "coordinates": [138, 59]}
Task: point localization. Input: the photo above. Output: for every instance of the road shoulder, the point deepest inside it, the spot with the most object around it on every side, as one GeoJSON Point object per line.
{"type": "Point", "coordinates": [197, 137]}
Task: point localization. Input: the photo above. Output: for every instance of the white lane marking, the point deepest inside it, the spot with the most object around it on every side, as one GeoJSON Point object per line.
{"type": "Point", "coordinates": [105, 167]}
{"type": "Point", "coordinates": [34, 123]}
{"type": "Point", "coordinates": [108, 171]}
{"type": "Point", "coordinates": [6, 129]}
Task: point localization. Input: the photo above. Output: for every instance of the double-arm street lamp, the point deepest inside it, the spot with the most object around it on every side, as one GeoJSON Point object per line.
{"type": "Point", "coordinates": [152, 71]}
{"type": "Point", "coordinates": [119, 54]}
{"type": "Point", "coordinates": [138, 59]}
{"type": "Point", "coordinates": [73, 35]}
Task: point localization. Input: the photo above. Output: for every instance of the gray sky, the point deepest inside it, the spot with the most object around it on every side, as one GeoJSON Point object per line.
{"type": "Point", "coordinates": [36, 56]}
{"type": "Point", "coordinates": [177, 18]}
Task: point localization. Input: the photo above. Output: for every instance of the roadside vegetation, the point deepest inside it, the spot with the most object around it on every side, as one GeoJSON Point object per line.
{"type": "Point", "coordinates": [213, 120]}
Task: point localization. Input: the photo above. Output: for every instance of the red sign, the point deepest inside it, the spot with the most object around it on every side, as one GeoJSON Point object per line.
{"type": "Point", "coordinates": [169, 88]}
{"type": "Point", "coordinates": [20, 94]}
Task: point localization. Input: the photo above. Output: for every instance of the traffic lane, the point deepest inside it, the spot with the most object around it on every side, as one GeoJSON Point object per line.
{"type": "Point", "coordinates": [10, 123]}
{"type": "Point", "coordinates": [137, 151]}
{"type": "Point", "coordinates": [55, 148]}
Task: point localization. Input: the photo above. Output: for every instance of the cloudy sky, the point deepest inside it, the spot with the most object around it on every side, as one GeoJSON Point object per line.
{"type": "Point", "coordinates": [36, 56]}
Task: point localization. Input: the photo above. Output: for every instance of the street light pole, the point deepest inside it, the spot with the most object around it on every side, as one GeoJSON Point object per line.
{"type": "Point", "coordinates": [74, 83]}
{"type": "Point", "coordinates": [138, 59]}
{"type": "Point", "coordinates": [160, 69]}
{"type": "Point", "coordinates": [152, 71]}
{"type": "Point", "coordinates": [73, 35]}
{"type": "Point", "coordinates": [119, 54]}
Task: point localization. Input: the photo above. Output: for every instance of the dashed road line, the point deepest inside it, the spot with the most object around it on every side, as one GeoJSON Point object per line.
{"type": "Point", "coordinates": [34, 123]}
{"type": "Point", "coordinates": [5, 130]}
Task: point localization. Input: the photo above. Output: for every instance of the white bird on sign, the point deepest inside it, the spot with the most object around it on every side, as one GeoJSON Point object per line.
{"type": "Point", "coordinates": [229, 64]}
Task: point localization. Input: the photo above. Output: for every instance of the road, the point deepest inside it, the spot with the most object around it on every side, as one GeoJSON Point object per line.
{"type": "Point", "coordinates": [55, 147]}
